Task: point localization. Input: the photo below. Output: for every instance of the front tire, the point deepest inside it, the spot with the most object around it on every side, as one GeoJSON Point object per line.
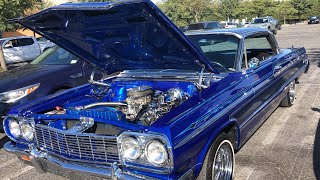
{"type": "Point", "coordinates": [220, 160]}
{"type": "Point", "coordinates": [288, 101]}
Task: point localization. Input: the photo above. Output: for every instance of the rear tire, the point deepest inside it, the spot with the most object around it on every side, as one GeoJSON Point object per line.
{"type": "Point", "coordinates": [219, 161]}
{"type": "Point", "coordinates": [288, 101]}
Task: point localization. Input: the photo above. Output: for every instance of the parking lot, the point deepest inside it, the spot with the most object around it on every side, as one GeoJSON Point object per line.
{"type": "Point", "coordinates": [285, 147]}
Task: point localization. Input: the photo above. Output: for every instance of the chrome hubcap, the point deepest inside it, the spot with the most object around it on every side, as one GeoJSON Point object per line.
{"type": "Point", "coordinates": [292, 92]}
{"type": "Point", "coordinates": [223, 162]}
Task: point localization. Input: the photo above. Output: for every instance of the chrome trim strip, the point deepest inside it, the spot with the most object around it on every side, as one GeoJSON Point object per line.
{"type": "Point", "coordinates": [216, 117]}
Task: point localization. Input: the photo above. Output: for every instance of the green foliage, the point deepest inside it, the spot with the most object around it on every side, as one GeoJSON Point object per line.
{"type": "Point", "coordinates": [12, 9]}
{"type": "Point", "coordinates": [226, 9]}
{"type": "Point", "coordinates": [183, 12]}
{"type": "Point", "coordinates": [301, 7]}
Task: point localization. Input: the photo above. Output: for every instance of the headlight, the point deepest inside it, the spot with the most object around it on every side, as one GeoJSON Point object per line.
{"type": "Point", "coordinates": [150, 152]}
{"type": "Point", "coordinates": [14, 128]}
{"type": "Point", "coordinates": [27, 131]}
{"type": "Point", "coordinates": [14, 95]}
{"type": "Point", "coordinates": [156, 152]}
{"type": "Point", "coordinates": [130, 149]}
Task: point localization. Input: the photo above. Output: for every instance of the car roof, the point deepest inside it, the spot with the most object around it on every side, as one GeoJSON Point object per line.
{"type": "Point", "coordinates": [205, 22]}
{"type": "Point", "coordinates": [15, 37]}
{"type": "Point", "coordinates": [240, 32]}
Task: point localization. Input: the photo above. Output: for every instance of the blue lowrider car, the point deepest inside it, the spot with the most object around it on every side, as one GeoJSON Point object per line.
{"type": "Point", "coordinates": [173, 106]}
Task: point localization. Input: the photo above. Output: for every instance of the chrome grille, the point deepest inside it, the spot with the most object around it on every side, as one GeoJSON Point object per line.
{"type": "Point", "coordinates": [84, 147]}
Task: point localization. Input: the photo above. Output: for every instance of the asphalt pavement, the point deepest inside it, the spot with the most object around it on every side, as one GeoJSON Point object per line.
{"type": "Point", "coordinates": [286, 146]}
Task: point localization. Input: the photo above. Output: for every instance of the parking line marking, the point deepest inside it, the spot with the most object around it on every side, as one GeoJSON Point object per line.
{"type": "Point", "coordinates": [20, 172]}
{"type": "Point", "coordinates": [2, 165]}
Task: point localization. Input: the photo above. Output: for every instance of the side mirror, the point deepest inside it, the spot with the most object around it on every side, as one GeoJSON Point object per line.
{"type": "Point", "coordinates": [254, 63]}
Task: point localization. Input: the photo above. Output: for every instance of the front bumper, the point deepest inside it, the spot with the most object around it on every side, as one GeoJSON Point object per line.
{"type": "Point", "coordinates": [46, 163]}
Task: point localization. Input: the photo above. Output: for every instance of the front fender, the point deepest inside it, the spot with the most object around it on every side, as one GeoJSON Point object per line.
{"type": "Point", "coordinates": [225, 127]}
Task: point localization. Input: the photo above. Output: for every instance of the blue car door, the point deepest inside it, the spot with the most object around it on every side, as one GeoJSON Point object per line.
{"type": "Point", "coordinates": [260, 54]}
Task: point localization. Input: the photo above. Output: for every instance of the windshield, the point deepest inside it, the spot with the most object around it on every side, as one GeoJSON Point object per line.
{"type": "Point", "coordinates": [219, 49]}
{"type": "Point", "coordinates": [213, 25]}
{"type": "Point", "coordinates": [260, 20]}
{"type": "Point", "coordinates": [55, 56]}
{"type": "Point", "coordinates": [196, 26]}
{"type": "Point", "coordinates": [314, 17]}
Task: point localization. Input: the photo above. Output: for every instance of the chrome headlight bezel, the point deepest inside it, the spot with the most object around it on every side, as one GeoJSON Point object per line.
{"type": "Point", "coordinates": [14, 95]}
{"type": "Point", "coordinates": [27, 130]}
{"type": "Point", "coordinates": [143, 162]}
{"type": "Point", "coordinates": [22, 138]}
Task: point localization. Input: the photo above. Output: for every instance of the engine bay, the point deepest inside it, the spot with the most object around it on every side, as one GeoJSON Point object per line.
{"type": "Point", "coordinates": [142, 101]}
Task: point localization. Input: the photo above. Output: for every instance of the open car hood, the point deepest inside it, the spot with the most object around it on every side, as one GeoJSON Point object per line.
{"type": "Point", "coordinates": [118, 35]}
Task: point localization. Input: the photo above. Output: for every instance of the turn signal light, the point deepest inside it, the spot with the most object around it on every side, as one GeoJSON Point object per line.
{"type": "Point", "coordinates": [25, 157]}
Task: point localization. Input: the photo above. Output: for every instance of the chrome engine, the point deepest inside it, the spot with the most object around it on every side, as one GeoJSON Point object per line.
{"type": "Point", "coordinates": [147, 106]}
{"type": "Point", "coordinates": [142, 104]}
{"type": "Point", "coordinates": [138, 98]}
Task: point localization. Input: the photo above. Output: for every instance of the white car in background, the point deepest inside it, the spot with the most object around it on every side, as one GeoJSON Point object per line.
{"type": "Point", "coordinates": [228, 25]}
{"type": "Point", "coordinates": [22, 49]}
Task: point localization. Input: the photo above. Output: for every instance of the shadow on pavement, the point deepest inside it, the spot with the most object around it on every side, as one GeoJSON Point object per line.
{"type": "Point", "coordinates": [314, 55]}
{"type": "Point", "coordinates": [3, 141]}
{"type": "Point", "coordinates": [316, 109]}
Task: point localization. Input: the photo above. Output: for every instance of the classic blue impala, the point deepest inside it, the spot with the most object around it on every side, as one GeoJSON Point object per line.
{"type": "Point", "coordinates": [170, 105]}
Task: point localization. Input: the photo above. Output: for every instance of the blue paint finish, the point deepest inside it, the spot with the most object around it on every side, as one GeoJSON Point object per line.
{"type": "Point", "coordinates": [243, 99]}
{"type": "Point", "coordinates": [130, 35]}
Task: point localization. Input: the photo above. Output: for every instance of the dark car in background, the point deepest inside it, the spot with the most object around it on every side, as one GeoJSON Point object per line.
{"type": "Point", "coordinates": [314, 20]}
{"type": "Point", "coordinates": [54, 70]}
{"type": "Point", "coordinates": [204, 26]}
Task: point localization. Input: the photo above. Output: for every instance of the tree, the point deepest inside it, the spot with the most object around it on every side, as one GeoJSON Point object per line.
{"type": "Point", "coordinates": [12, 9]}
{"type": "Point", "coordinates": [226, 8]}
{"type": "Point", "coordinates": [284, 10]}
{"type": "Point", "coordinates": [184, 12]}
{"type": "Point", "coordinates": [301, 7]}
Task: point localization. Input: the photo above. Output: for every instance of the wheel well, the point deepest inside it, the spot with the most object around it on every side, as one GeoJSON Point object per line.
{"type": "Point", "coordinates": [232, 132]}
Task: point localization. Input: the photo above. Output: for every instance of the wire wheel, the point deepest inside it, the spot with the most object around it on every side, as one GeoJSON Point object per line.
{"type": "Point", "coordinates": [223, 163]}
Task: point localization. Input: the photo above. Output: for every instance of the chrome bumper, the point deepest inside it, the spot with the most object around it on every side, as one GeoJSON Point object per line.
{"type": "Point", "coordinates": [46, 163]}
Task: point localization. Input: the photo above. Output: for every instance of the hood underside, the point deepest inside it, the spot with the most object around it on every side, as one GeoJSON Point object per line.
{"type": "Point", "coordinates": [117, 36]}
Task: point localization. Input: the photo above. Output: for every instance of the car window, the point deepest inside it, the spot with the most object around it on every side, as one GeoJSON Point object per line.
{"type": "Point", "coordinates": [196, 26]}
{"type": "Point", "coordinates": [55, 56]}
{"type": "Point", "coordinates": [213, 25]}
{"type": "Point", "coordinates": [25, 41]}
{"type": "Point", "coordinates": [19, 42]}
{"type": "Point", "coordinates": [260, 20]}
{"type": "Point", "coordinates": [257, 47]}
{"type": "Point", "coordinates": [219, 49]}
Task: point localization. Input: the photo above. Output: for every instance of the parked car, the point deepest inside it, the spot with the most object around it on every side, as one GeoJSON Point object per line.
{"type": "Point", "coordinates": [204, 26]}
{"type": "Point", "coordinates": [313, 20]}
{"type": "Point", "coordinates": [278, 25]}
{"type": "Point", "coordinates": [20, 49]}
{"type": "Point", "coordinates": [268, 23]}
{"type": "Point", "coordinates": [44, 43]}
{"type": "Point", "coordinates": [53, 71]}
{"type": "Point", "coordinates": [228, 25]}
{"type": "Point", "coordinates": [246, 24]}
{"type": "Point", "coordinates": [172, 107]}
